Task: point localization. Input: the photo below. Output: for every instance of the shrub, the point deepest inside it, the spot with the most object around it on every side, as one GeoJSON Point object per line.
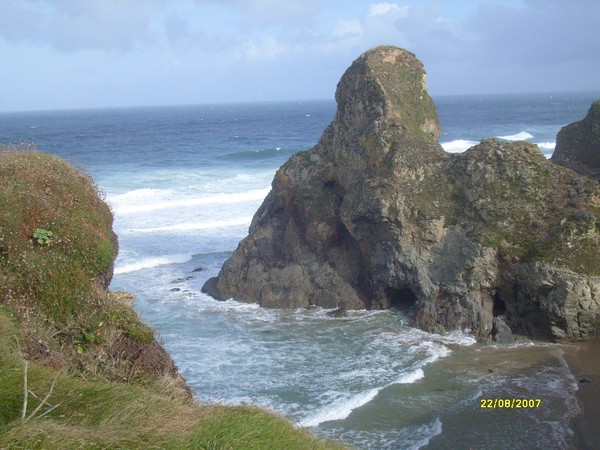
{"type": "Point", "coordinates": [42, 237]}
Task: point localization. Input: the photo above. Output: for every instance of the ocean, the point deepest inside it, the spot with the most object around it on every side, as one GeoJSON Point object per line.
{"type": "Point", "coordinates": [183, 183]}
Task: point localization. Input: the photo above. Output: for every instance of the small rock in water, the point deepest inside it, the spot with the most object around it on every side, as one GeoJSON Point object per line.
{"type": "Point", "coordinates": [182, 279]}
{"type": "Point", "coordinates": [340, 312]}
{"type": "Point", "coordinates": [585, 380]}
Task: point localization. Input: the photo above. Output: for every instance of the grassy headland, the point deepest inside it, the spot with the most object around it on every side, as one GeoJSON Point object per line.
{"type": "Point", "coordinates": [77, 367]}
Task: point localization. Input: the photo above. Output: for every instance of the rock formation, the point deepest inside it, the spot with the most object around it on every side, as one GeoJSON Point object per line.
{"type": "Point", "coordinates": [377, 215]}
{"type": "Point", "coordinates": [578, 144]}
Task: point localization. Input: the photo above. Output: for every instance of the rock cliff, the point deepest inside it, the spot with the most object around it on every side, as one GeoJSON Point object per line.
{"type": "Point", "coordinates": [377, 215]}
{"type": "Point", "coordinates": [578, 144]}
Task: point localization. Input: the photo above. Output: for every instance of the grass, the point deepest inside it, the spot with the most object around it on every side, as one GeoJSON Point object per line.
{"type": "Point", "coordinates": [41, 192]}
{"type": "Point", "coordinates": [92, 414]}
{"type": "Point", "coordinates": [78, 369]}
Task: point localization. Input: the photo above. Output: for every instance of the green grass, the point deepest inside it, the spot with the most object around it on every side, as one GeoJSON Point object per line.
{"type": "Point", "coordinates": [42, 192]}
{"type": "Point", "coordinates": [93, 414]}
{"type": "Point", "coordinates": [110, 384]}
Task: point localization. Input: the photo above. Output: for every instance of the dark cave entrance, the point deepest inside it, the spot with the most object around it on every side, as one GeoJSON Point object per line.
{"type": "Point", "coordinates": [499, 307]}
{"type": "Point", "coordinates": [402, 299]}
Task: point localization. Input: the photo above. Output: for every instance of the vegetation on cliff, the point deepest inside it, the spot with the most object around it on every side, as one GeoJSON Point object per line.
{"type": "Point", "coordinates": [78, 369]}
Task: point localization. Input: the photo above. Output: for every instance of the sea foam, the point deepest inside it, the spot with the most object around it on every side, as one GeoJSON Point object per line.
{"type": "Point", "coordinates": [124, 205]}
{"type": "Point", "coordinates": [343, 407]}
{"type": "Point", "coordinates": [149, 263]}
{"type": "Point", "coordinates": [195, 226]}
{"type": "Point", "coordinates": [521, 136]}
{"type": "Point", "coordinates": [458, 145]}
{"type": "Point", "coordinates": [340, 409]}
{"type": "Point", "coordinates": [428, 432]}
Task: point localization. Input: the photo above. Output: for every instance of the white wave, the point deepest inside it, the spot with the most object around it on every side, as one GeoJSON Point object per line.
{"type": "Point", "coordinates": [410, 377]}
{"type": "Point", "coordinates": [120, 207]}
{"type": "Point", "coordinates": [522, 136]}
{"type": "Point", "coordinates": [432, 350]}
{"type": "Point", "coordinates": [458, 146]}
{"type": "Point", "coordinates": [460, 337]}
{"type": "Point", "coordinates": [340, 409]}
{"type": "Point", "coordinates": [431, 430]}
{"type": "Point", "coordinates": [138, 194]}
{"type": "Point", "coordinates": [195, 226]}
{"type": "Point", "coordinates": [149, 263]}
{"type": "Point", "coordinates": [546, 145]}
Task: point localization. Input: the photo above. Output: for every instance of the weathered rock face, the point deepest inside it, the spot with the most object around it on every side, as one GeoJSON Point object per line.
{"type": "Point", "coordinates": [377, 215]}
{"type": "Point", "coordinates": [578, 144]}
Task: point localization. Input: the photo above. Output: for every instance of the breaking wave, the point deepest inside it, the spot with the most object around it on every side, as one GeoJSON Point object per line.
{"type": "Point", "coordinates": [458, 145]}
{"type": "Point", "coordinates": [522, 136]}
{"type": "Point", "coordinates": [149, 263]}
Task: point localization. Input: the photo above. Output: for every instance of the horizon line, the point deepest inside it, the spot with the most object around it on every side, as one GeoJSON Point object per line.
{"type": "Point", "coordinates": [250, 102]}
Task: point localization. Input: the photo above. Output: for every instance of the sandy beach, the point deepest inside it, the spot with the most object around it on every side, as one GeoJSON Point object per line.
{"type": "Point", "coordinates": [584, 360]}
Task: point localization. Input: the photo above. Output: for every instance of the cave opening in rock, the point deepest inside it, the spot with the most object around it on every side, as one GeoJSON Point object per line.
{"type": "Point", "coordinates": [329, 184]}
{"type": "Point", "coordinates": [402, 299]}
{"type": "Point", "coordinates": [499, 307]}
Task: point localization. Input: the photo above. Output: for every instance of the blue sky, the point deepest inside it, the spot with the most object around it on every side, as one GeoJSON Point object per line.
{"type": "Point", "coordinates": [57, 54]}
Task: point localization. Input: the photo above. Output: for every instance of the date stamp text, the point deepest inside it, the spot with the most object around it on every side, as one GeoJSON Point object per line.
{"type": "Point", "coordinates": [509, 403]}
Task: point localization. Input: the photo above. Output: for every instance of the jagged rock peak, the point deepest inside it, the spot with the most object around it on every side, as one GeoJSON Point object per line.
{"type": "Point", "coordinates": [387, 84]}
{"type": "Point", "coordinates": [578, 144]}
{"type": "Point", "coordinates": [376, 215]}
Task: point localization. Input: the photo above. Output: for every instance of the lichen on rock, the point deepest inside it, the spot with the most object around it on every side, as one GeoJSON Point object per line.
{"type": "Point", "coordinates": [377, 215]}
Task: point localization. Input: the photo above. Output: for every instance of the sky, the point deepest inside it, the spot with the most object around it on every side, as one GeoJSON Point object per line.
{"type": "Point", "coordinates": [68, 54]}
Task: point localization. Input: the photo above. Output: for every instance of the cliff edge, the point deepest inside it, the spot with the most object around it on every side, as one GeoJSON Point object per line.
{"type": "Point", "coordinates": [57, 250]}
{"type": "Point", "coordinates": [78, 369]}
{"type": "Point", "coordinates": [377, 215]}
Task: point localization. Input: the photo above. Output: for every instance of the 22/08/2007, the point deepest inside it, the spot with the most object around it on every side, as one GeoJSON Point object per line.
{"type": "Point", "coordinates": [510, 403]}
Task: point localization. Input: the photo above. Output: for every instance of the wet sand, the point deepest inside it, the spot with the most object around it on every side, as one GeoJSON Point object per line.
{"type": "Point", "coordinates": [584, 361]}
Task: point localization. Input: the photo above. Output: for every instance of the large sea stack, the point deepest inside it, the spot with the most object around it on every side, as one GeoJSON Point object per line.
{"type": "Point", "coordinates": [377, 215]}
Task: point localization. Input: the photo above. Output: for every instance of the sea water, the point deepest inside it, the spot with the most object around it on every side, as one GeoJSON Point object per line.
{"type": "Point", "coordinates": [183, 183]}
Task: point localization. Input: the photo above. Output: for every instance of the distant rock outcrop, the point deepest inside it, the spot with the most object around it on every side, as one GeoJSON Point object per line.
{"type": "Point", "coordinates": [578, 144]}
{"type": "Point", "coordinates": [377, 215]}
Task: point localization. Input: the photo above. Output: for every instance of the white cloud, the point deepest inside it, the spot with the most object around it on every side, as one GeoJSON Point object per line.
{"type": "Point", "coordinates": [261, 12]}
{"type": "Point", "coordinates": [379, 9]}
{"type": "Point", "coordinates": [343, 28]}
{"type": "Point", "coordinates": [266, 48]}
{"type": "Point", "coordinates": [71, 25]}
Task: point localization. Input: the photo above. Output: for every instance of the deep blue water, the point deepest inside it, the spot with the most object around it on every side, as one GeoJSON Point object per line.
{"type": "Point", "coordinates": [184, 183]}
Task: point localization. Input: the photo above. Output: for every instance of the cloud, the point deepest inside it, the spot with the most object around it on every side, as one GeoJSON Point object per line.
{"type": "Point", "coordinates": [71, 25]}
{"type": "Point", "coordinates": [270, 12]}
{"type": "Point", "coordinates": [379, 9]}
{"type": "Point", "coordinates": [19, 22]}
{"type": "Point", "coordinates": [344, 28]}
{"type": "Point", "coordinates": [266, 48]}
{"type": "Point", "coordinates": [161, 51]}
{"type": "Point", "coordinates": [541, 32]}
